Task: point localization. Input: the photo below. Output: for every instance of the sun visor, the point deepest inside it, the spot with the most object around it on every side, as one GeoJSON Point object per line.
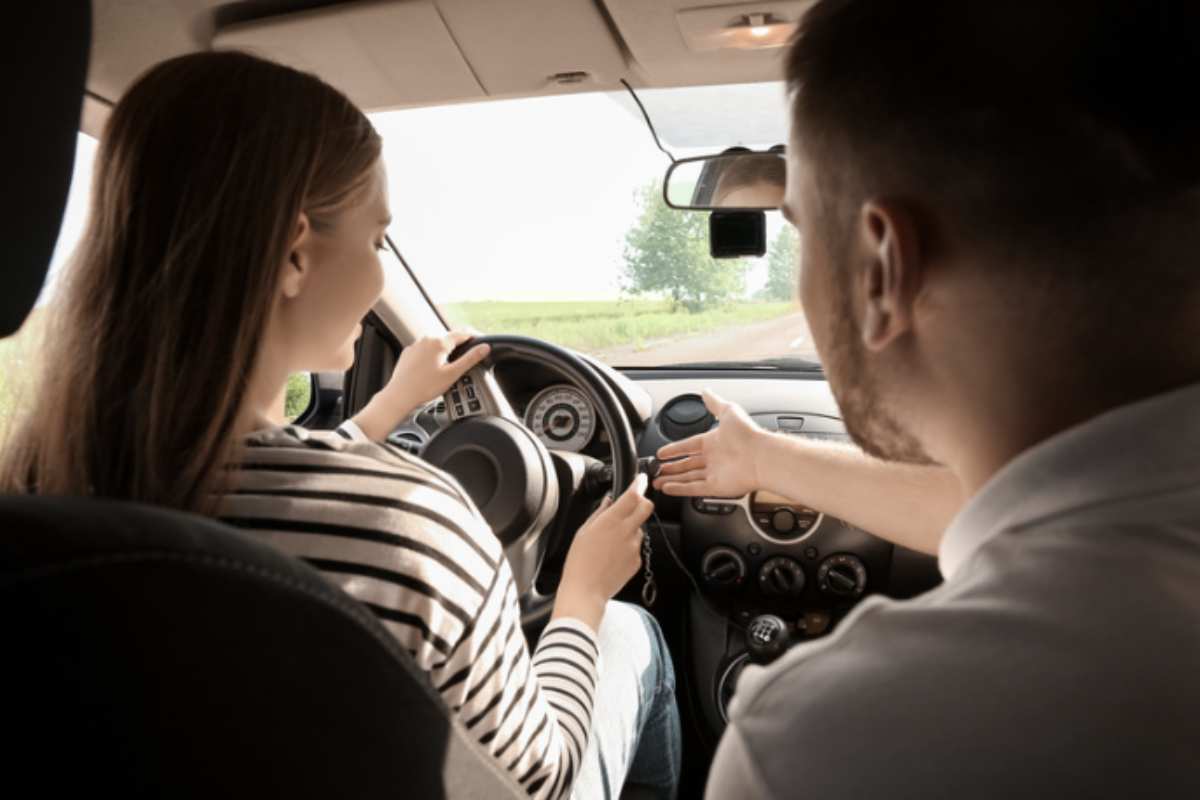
{"type": "Point", "coordinates": [418, 52]}
{"type": "Point", "coordinates": [536, 46]}
{"type": "Point", "coordinates": [380, 54]}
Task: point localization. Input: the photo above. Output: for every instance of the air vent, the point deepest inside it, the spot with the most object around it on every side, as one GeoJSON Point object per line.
{"type": "Point", "coordinates": [684, 416]}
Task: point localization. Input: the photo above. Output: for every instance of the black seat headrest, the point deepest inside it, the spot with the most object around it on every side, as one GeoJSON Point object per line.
{"type": "Point", "coordinates": [163, 654]}
{"type": "Point", "coordinates": [45, 58]}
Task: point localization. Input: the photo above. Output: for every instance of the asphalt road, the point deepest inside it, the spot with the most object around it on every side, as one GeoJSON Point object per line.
{"type": "Point", "coordinates": [780, 337]}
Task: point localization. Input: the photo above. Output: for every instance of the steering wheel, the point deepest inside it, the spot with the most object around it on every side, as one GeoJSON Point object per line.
{"type": "Point", "coordinates": [528, 496]}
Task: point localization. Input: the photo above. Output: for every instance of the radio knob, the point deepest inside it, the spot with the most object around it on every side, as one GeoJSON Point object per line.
{"type": "Point", "coordinates": [783, 520]}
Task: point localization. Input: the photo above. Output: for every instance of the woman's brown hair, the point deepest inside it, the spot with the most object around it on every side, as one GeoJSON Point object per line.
{"type": "Point", "coordinates": [203, 170]}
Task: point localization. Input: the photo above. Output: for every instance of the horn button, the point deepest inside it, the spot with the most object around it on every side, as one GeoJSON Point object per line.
{"type": "Point", "coordinates": [504, 468]}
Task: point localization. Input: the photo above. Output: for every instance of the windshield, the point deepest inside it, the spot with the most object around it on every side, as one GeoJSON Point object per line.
{"type": "Point", "coordinates": [544, 217]}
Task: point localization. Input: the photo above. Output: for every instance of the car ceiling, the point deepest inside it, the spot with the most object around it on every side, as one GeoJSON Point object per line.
{"type": "Point", "coordinates": [399, 53]}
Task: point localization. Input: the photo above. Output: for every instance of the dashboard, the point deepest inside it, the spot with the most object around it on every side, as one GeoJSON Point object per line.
{"type": "Point", "coordinates": [763, 555]}
{"type": "Point", "coordinates": [558, 413]}
{"type": "Point", "coordinates": [741, 558]}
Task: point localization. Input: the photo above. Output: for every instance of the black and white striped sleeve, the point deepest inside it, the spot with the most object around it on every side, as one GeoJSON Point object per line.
{"type": "Point", "coordinates": [534, 715]}
{"type": "Point", "coordinates": [403, 538]}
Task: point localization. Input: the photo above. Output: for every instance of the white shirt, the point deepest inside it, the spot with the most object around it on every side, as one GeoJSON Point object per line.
{"type": "Point", "coordinates": [1061, 657]}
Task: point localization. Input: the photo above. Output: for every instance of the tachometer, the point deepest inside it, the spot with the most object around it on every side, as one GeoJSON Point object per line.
{"type": "Point", "coordinates": [561, 417]}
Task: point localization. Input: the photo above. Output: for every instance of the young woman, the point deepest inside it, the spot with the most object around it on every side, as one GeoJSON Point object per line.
{"type": "Point", "coordinates": [237, 211]}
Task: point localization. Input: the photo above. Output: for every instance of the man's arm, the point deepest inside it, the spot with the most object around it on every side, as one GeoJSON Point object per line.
{"type": "Point", "coordinates": [909, 505]}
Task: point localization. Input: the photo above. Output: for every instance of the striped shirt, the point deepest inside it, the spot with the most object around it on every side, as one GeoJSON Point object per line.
{"type": "Point", "coordinates": [404, 539]}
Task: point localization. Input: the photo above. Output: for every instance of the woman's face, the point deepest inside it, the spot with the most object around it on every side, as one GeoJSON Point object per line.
{"type": "Point", "coordinates": [342, 277]}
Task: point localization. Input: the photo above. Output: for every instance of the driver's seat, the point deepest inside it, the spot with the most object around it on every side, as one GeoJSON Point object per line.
{"type": "Point", "coordinates": [151, 653]}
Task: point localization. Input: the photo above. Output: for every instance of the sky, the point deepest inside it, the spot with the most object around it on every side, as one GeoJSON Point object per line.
{"type": "Point", "coordinates": [523, 199]}
{"type": "Point", "coordinates": [76, 212]}
{"type": "Point", "coordinates": [527, 199]}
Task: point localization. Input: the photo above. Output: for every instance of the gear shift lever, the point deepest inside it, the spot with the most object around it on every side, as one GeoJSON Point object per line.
{"type": "Point", "coordinates": [766, 638]}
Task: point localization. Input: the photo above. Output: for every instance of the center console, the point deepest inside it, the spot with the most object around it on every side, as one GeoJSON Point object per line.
{"type": "Point", "coordinates": [767, 557]}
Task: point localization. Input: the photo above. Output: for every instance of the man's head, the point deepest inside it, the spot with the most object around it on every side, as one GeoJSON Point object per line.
{"type": "Point", "coordinates": [989, 193]}
{"type": "Point", "coordinates": [750, 180]}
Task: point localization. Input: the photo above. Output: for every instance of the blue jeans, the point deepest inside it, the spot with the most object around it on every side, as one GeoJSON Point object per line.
{"type": "Point", "coordinates": [635, 725]}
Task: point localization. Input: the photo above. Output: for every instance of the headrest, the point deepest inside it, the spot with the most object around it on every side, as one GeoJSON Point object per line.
{"type": "Point", "coordinates": [45, 60]}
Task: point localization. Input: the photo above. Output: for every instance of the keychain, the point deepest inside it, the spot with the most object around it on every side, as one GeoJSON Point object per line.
{"type": "Point", "coordinates": [649, 587]}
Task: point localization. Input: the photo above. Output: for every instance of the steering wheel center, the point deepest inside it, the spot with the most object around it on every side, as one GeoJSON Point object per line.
{"type": "Point", "coordinates": [504, 468]}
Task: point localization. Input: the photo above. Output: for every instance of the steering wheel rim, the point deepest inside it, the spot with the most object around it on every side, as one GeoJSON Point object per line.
{"type": "Point", "coordinates": [584, 377]}
{"type": "Point", "coordinates": [526, 558]}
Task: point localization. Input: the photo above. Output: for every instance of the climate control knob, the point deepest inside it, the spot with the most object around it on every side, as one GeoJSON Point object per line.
{"type": "Point", "coordinates": [723, 566]}
{"type": "Point", "coordinates": [842, 575]}
{"type": "Point", "coordinates": [781, 577]}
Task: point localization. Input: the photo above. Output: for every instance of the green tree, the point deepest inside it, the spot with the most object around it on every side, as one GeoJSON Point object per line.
{"type": "Point", "coordinates": [782, 257]}
{"type": "Point", "coordinates": [299, 395]}
{"type": "Point", "coordinates": [667, 252]}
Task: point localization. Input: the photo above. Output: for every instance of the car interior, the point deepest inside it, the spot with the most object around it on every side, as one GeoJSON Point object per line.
{"type": "Point", "coordinates": [216, 687]}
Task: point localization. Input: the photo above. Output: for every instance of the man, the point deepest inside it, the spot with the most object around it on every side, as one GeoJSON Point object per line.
{"type": "Point", "coordinates": [1000, 215]}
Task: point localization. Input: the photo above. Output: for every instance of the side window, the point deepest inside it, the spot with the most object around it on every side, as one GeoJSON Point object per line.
{"type": "Point", "coordinates": [20, 354]}
{"type": "Point", "coordinates": [19, 358]}
{"type": "Point", "coordinates": [298, 399]}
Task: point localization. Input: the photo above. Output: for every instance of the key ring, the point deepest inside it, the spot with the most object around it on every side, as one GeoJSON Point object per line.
{"type": "Point", "coordinates": [649, 586]}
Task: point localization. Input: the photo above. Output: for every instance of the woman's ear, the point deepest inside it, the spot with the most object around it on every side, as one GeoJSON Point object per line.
{"type": "Point", "coordinates": [298, 265]}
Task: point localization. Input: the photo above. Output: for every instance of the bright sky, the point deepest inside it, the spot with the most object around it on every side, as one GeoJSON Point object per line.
{"type": "Point", "coordinates": [77, 208]}
{"type": "Point", "coordinates": [527, 199]}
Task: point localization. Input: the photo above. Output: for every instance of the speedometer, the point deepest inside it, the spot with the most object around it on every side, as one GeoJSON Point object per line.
{"type": "Point", "coordinates": [561, 417]}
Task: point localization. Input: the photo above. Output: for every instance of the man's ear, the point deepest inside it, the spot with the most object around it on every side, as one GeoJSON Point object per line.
{"type": "Point", "coordinates": [298, 264]}
{"type": "Point", "coordinates": [893, 273]}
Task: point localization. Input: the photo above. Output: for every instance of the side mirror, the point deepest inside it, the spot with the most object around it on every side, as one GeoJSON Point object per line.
{"type": "Point", "coordinates": [743, 180]}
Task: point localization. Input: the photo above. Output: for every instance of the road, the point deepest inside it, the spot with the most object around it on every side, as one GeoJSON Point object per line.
{"type": "Point", "coordinates": [785, 336]}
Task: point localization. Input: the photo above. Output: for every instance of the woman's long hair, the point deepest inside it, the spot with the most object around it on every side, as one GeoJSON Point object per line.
{"type": "Point", "coordinates": [202, 173]}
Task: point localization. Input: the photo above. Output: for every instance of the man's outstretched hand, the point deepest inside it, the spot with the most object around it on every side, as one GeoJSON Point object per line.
{"type": "Point", "coordinates": [720, 463]}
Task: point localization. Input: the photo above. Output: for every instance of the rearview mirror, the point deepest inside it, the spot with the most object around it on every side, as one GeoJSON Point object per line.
{"type": "Point", "coordinates": [743, 180]}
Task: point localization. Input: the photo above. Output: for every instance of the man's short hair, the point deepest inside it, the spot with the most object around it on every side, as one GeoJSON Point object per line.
{"type": "Point", "coordinates": [1048, 129]}
{"type": "Point", "coordinates": [749, 170]}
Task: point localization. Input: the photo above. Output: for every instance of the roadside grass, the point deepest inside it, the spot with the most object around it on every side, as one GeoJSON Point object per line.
{"type": "Point", "coordinates": [587, 325]}
{"type": "Point", "coordinates": [19, 358]}
{"type": "Point", "coordinates": [598, 325]}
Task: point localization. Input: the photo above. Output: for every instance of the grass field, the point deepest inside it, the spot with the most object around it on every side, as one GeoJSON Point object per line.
{"type": "Point", "coordinates": [18, 359]}
{"type": "Point", "coordinates": [590, 326]}
{"type": "Point", "coordinates": [19, 354]}
{"type": "Point", "coordinates": [604, 324]}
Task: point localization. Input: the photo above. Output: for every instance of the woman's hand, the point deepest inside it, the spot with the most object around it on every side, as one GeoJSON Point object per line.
{"type": "Point", "coordinates": [606, 553]}
{"type": "Point", "coordinates": [422, 373]}
{"type": "Point", "coordinates": [720, 463]}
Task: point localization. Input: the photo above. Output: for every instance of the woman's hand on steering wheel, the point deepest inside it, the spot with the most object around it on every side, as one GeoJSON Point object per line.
{"type": "Point", "coordinates": [423, 372]}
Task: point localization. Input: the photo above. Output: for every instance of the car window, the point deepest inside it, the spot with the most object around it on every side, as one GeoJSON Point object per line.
{"type": "Point", "coordinates": [544, 217]}
{"type": "Point", "coordinates": [298, 396]}
{"type": "Point", "coordinates": [19, 353]}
